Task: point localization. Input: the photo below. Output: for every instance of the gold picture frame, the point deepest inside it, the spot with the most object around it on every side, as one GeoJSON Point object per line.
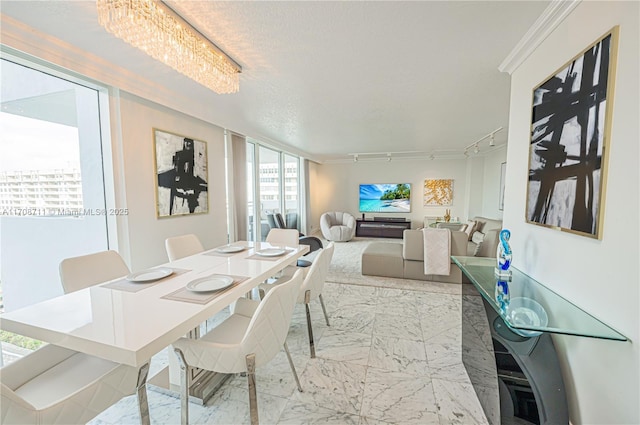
{"type": "Point", "coordinates": [570, 131]}
{"type": "Point", "coordinates": [181, 175]}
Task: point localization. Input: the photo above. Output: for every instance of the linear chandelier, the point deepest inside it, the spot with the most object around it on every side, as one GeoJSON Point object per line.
{"type": "Point", "coordinates": [151, 26]}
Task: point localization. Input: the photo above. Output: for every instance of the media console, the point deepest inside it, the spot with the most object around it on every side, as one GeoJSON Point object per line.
{"type": "Point", "coordinates": [382, 227]}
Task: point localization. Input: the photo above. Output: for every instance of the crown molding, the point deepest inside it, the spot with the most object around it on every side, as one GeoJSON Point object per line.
{"type": "Point", "coordinates": [552, 16]}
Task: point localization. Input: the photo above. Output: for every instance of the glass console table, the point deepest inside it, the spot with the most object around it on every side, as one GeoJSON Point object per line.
{"type": "Point", "coordinates": [506, 345]}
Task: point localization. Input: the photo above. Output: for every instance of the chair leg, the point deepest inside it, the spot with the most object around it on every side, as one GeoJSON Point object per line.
{"type": "Point", "coordinates": [143, 403]}
{"type": "Point", "coordinates": [253, 396]}
{"type": "Point", "coordinates": [184, 390]}
{"type": "Point", "coordinates": [324, 310]}
{"type": "Point", "coordinates": [293, 367]}
{"type": "Point", "coordinates": [307, 300]}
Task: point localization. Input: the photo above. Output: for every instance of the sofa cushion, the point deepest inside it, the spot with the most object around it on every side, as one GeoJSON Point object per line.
{"type": "Point", "coordinates": [485, 224]}
{"type": "Point", "coordinates": [383, 259]}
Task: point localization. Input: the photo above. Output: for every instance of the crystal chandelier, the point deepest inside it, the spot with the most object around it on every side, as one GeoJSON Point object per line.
{"type": "Point", "coordinates": [157, 30]}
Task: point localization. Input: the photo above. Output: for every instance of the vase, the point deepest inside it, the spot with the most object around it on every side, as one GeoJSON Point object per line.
{"type": "Point", "coordinates": [504, 255]}
{"type": "Point", "coordinates": [447, 216]}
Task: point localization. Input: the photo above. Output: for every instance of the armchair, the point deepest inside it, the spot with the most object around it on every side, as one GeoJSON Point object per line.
{"type": "Point", "coordinates": [338, 226]}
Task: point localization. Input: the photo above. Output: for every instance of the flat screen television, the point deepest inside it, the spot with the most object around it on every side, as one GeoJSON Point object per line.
{"type": "Point", "coordinates": [385, 198]}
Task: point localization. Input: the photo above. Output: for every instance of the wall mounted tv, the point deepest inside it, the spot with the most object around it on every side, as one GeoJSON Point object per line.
{"type": "Point", "coordinates": [385, 198]}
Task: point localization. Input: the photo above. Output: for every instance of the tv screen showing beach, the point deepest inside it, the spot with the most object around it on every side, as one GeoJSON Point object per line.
{"type": "Point", "coordinates": [391, 198]}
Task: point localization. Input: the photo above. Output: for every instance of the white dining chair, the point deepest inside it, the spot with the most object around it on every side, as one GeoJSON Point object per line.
{"type": "Point", "coordinates": [87, 270]}
{"type": "Point", "coordinates": [283, 237]}
{"type": "Point", "coordinates": [54, 385]}
{"type": "Point", "coordinates": [247, 339]}
{"type": "Point", "coordinates": [182, 246]}
{"type": "Point", "coordinates": [312, 288]}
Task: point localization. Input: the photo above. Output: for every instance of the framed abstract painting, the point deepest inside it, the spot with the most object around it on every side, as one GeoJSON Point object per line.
{"type": "Point", "coordinates": [438, 192]}
{"type": "Point", "coordinates": [570, 130]}
{"type": "Point", "coordinates": [181, 175]}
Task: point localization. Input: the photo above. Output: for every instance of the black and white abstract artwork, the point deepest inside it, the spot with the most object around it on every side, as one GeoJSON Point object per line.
{"type": "Point", "coordinates": [568, 133]}
{"type": "Point", "coordinates": [181, 168]}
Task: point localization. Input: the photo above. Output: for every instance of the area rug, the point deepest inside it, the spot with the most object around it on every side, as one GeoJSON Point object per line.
{"type": "Point", "coordinates": [346, 267]}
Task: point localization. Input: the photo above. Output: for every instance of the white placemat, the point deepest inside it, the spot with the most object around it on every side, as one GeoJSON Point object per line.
{"type": "Point", "coordinates": [126, 285]}
{"type": "Point", "coordinates": [183, 294]}
{"type": "Point", "coordinates": [215, 253]}
{"type": "Point", "coordinates": [268, 258]}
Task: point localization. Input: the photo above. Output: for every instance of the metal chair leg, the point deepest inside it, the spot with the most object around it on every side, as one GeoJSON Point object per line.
{"type": "Point", "coordinates": [293, 367]}
{"type": "Point", "coordinates": [253, 397]}
{"type": "Point", "coordinates": [324, 310]}
{"type": "Point", "coordinates": [143, 403]}
{"type": "Point", "coordinates": [184, 390]}
{"type": "Point", "coordinates": [307, 300]}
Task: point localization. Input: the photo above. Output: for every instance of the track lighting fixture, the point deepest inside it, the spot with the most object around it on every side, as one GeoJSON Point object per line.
{"type": "Point", "coordinates": [476, 145]}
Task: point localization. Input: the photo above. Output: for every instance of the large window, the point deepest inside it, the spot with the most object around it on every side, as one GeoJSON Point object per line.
{"type": "Point", "coordinates": [52, 199]}
{"type": "Point", "coordinates": [273, 186]}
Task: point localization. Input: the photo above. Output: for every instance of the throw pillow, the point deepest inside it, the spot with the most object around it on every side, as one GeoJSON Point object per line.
{"type": "Point", "coordinates": [471, 226]}
{"type": "Point", "coordinates": [477, 250]}
{"type": "Point", "coordinates": [477, 237]}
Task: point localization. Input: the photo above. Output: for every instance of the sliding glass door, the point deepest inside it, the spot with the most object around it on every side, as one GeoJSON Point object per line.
{"type": "Point", "coordinates": [269, 188]}
{"type": "Point", "coordinates": [273, 186]}
{"type": "Point", "coordinates": [292, 191]}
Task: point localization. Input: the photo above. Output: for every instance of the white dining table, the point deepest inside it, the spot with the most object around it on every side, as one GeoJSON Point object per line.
{"type": "Point", "coordinates": [130, 327]}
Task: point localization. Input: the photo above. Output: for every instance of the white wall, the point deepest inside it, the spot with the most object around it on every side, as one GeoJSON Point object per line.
{"type": "Point", "coordinates": [491, 189]}
{"type": "Point", "coordinates": [144, 233]}
{"type": "Point", "coordinates": [335, 186]}
{"type": "Point", "coordinates": [600, 276]}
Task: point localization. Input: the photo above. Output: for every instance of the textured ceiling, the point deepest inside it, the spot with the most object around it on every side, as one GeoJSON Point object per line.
{"type": "Point", "coordinates": [331, 78]}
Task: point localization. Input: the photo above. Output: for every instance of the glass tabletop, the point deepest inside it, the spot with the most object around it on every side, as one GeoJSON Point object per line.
{"type": "Point", "coordinates": [530, 304]}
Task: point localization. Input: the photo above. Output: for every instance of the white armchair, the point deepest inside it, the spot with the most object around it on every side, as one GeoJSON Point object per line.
{"type": "Point", "coordinates": [247, 339]}
{"type": "Point", "coordinates": [338, 226]}
{"type": "Point", "coordinates": [54, 385]}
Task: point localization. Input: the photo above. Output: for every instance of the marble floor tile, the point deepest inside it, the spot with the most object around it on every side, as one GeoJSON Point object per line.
{"type": "Point", "coordinates": [364, 420]}
{"type": "Point", "coordinates": [400, 355]}
{"type": "Point", "coordinates": [333, 385]}
{"type": "Point", "coordinates": [445, 362]}
{"type": "Point", "coordinates": [442, 328]}
{"type": "Point", "coordinates": [344, 346]}
{"type": "Point", "coordinates": [298, 413]}
{"type": "Point", "coordinates": [404, 327]}
{"type": "Point", "coordinates": [456, 403]}
{"type": "Point", "coordinates": [397, 307]}
{"type": "Point", "coordinates": [398, 397]}
{"type": "Point", "coordinates": [358, 319]}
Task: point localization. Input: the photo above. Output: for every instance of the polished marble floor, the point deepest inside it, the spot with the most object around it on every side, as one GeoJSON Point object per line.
{"type": "Point", "coordinates": [390, 356]}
